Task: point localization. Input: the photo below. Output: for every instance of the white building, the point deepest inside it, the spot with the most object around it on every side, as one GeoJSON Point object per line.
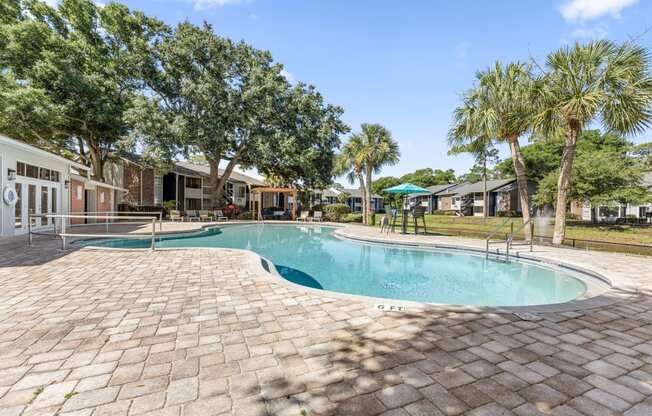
{"type": "Point", "coordinates": [32, 181]}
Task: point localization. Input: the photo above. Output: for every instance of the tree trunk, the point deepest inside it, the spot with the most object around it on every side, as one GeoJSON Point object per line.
{"type": "Point", "coordinates": [484, 188]}
{"type": "Point", "coordinates": [562, 184]}
{"type": "Point", "coordinates": [368, 195]}
{"type": "Point", "coordinates": [97, 163]}
{"type": "Point", "coordinates": [217, 182]}
{"type": "Point", "coordinates": [363, 191]}
{"type": "Point", "coordinates": [521, 181]}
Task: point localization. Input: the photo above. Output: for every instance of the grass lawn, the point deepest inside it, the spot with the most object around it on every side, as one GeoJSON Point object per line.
{"type": "Point", "coordinates": [468, 226]}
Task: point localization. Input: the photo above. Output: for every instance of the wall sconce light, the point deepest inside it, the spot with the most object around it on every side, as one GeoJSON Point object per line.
{"type": "Point", "coordinates": [66, 184]}
{"type": "Point", "coordinates": [11, 174]}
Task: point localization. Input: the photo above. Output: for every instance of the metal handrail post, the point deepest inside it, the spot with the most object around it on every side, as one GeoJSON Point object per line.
{"type": "Point", "coordinates": [531, 235]}
{"type": "Point", "coordinates": [106, 224]}
{"type": "Point", "coordinates": [63, 233]}
{"type": "Point", "coordinates": [29, 229]}
{"type": "Point", "coordinates": [153, 234]}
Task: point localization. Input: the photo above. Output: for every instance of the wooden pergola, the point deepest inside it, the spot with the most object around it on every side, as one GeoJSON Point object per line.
{"type": "Point", "coordinates": [263, 190]}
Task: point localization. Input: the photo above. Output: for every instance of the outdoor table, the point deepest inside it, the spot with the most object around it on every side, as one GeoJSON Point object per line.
{"type": "Point", "coordinates": [404, 221]}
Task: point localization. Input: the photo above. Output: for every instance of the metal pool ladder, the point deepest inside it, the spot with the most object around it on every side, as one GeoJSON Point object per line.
{"type": "Point", "coordinates": [509, 240]}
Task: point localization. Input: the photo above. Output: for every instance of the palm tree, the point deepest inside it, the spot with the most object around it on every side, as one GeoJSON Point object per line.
{"type": "Point", "coordinates": [599, 80]}
{"type": "Point", "coordinates": [349, 162]}
{"type": "Point", "coordinates": [499, 108]}
{"type": "Point", "coordinates": [378, 149]}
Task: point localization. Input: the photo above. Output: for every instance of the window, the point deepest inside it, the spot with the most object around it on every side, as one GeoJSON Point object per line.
{"type": "Point", "coordinates": [158, 189]}
{"type": "Point", "coordinates": [54, 201]}
{"type": "Point", "coordinates": [478, 210]}
{"type": "Point", "coordinates": [31, 171]}
{"type": "Point", "coordinates": [642, 212]}
{"type": "Point", "coordinates": [18, 209]}
{"type": "Point", "coordinates": [194, 183]}
{"type": "Point", "coordinates": [44, 204]}
{"type": "Point", "coordinates": [79, 192]}
{"type": "Point", "coordinates": [44, 174]}
{"type": "Point", "coordinates": [102, 197]}
{"type": "Point", "coordinates": [193, 203]}
{"type": "Point", "coordinates": [241, 192]}
{"type": "Point", "coordinates": [31, 201]}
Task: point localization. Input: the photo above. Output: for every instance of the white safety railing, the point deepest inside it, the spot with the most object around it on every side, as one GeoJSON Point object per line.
{"type": "Point", "coordinates": [63, 234]}
{"type": "Point", "coordinates": [143, 214]}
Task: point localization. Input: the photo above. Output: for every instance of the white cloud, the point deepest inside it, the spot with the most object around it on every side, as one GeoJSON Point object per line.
{"type": "Point", "coordinates": [581, 10]}
{"type": "Point", "coordinates": [589, 33]}
{"type": "Point", "coordinates": [52, 3]}
{"type": "Point", "coordinates": [288, 75]}
{"type": "Point", "coordinates": [208, 4]}
{"type": "Point", "coordinates": [253, 16]}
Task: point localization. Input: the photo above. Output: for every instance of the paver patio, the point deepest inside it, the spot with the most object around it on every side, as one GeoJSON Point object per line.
{"type": "Point", "coordinates": [207, 332]}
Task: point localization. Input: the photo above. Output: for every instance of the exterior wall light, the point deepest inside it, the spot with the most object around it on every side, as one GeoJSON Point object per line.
{"type": "Point", "coordinates": [11, 174]}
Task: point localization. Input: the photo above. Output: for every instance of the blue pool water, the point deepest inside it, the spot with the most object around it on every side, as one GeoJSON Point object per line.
{"type": "Point", "coordinates": [312, 256]}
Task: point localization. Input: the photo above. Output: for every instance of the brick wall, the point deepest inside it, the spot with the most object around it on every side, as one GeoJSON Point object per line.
{"type": "Point", "coordinates": [77, 199]}
{"type": "Point", "coordinates": [103, 196]}
{"type": "Point", "coordinates": [148, 187]}
{"type": "Point", "coordinates": [131, 182]}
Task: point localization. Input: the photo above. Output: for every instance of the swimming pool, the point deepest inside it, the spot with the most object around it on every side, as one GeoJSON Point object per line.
{"type": "Point", "coordinates": [312, 256]}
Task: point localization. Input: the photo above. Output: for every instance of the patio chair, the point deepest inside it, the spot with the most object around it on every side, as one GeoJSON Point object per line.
{"type": "Point", "coordinates": [219, 215]}
{"type": "Point", "coordinates": [317, 216]}
{"type": "Point", "coordinates": [204, 215]}
{"type": "Point", "coordinates": [419, 212]}
{"type": "Point", "coordinates": [175, 215]}
{"type": "Point", "coordinates": [191, 215]}
{"type": "Point", "coordinates": [305, 215]}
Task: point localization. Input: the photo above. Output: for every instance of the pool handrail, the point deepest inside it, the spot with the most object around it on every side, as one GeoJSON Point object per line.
{"type": "Point", "coordinates": [63, 234]}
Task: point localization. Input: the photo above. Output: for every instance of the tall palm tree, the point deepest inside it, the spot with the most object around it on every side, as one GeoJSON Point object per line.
{"type": "Point", "coordinates": [349, 162]}
{"type": "Point", "coordinates": [378, 149]}
{"type": "Point", "coordinates": [600, 80]}
{"type": "Point", "coordinates": [499, 108]}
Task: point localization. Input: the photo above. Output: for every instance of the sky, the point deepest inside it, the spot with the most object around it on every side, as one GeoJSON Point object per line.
{"type": "Point", "coordinates": [405, 64]}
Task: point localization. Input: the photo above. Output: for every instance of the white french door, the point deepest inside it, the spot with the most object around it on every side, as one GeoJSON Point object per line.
{"type": "Point", "coordinates": [35, 197]}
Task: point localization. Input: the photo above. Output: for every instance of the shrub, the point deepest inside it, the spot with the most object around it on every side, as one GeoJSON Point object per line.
{"type": "Point", "coordinates": [509, 213]}
{"type": "Point", "coordinates": [571, 216]}
{"type": "Point", "coordinates": [443, 212]}
{"type": "Point", "coordinates": [352, 218]}
{"type": "Point", "coordinates": [334, 212]}
{"type": "Point", "coordinates": [248, 215]}
{"type": "Point", "coordinates": [317, 207]}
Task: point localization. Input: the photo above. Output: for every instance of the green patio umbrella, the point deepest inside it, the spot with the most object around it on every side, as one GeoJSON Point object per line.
{"type": "Point", "coordinates": [406, 188]}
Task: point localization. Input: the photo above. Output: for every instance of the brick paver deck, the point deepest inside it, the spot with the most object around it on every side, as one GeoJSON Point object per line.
{"type": "Point", "coordinates": [205, 332]}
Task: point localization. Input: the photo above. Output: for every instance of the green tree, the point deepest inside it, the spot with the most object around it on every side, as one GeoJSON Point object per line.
{"type": "Point", "coordinates": [69, 75]}
{"type": "Point", "coordinates": [350, 163]}
{"type": "Point", "coordinates": [387, 182]}
{"type": "Point", "coordinates": [229, 102]}
{"type": "Point", "coordinates": [604, 171]}
{"type": "Point", "coordinates": [374, 148]}
{"type": "Point", "coordinates": [596, 81]}
{"type": "Point", "coordinates": [429, 177]}
{"type": "Point", "coordinates": [498, 108]}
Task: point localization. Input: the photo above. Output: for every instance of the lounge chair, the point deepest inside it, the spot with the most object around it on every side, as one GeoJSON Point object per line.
{"type": "Point", "coordinates": [204, 215]}
{"type": "Point", "coordinates": [219, 215]}
{"type": "Point", "coordinates": [305, 215]}
{"type": "Point", "coordinates": [317, 216]}
{"type": "Point", "coordinates": [175, 215]}
{"type": "Point", "coordinates": [419, 212]}
{"type": "Point", "coordinates": [191, 215]}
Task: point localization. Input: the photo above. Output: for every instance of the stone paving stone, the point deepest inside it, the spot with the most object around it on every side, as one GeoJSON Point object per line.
{"type": "Point", "coordinates": [91, 399]}
{"type": "Point", "coordinates": [182, 390]}
{"type": "Point", "coordinates": [543, 395]}
{"type": "Point", "coordinates": [491, 409]}
{"type": "Point", "coordinates": [397, 396]}
{"type": "Point", "coordinates": [364, 404]}
{"type": "Point", "coordinates": [444, 400]}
